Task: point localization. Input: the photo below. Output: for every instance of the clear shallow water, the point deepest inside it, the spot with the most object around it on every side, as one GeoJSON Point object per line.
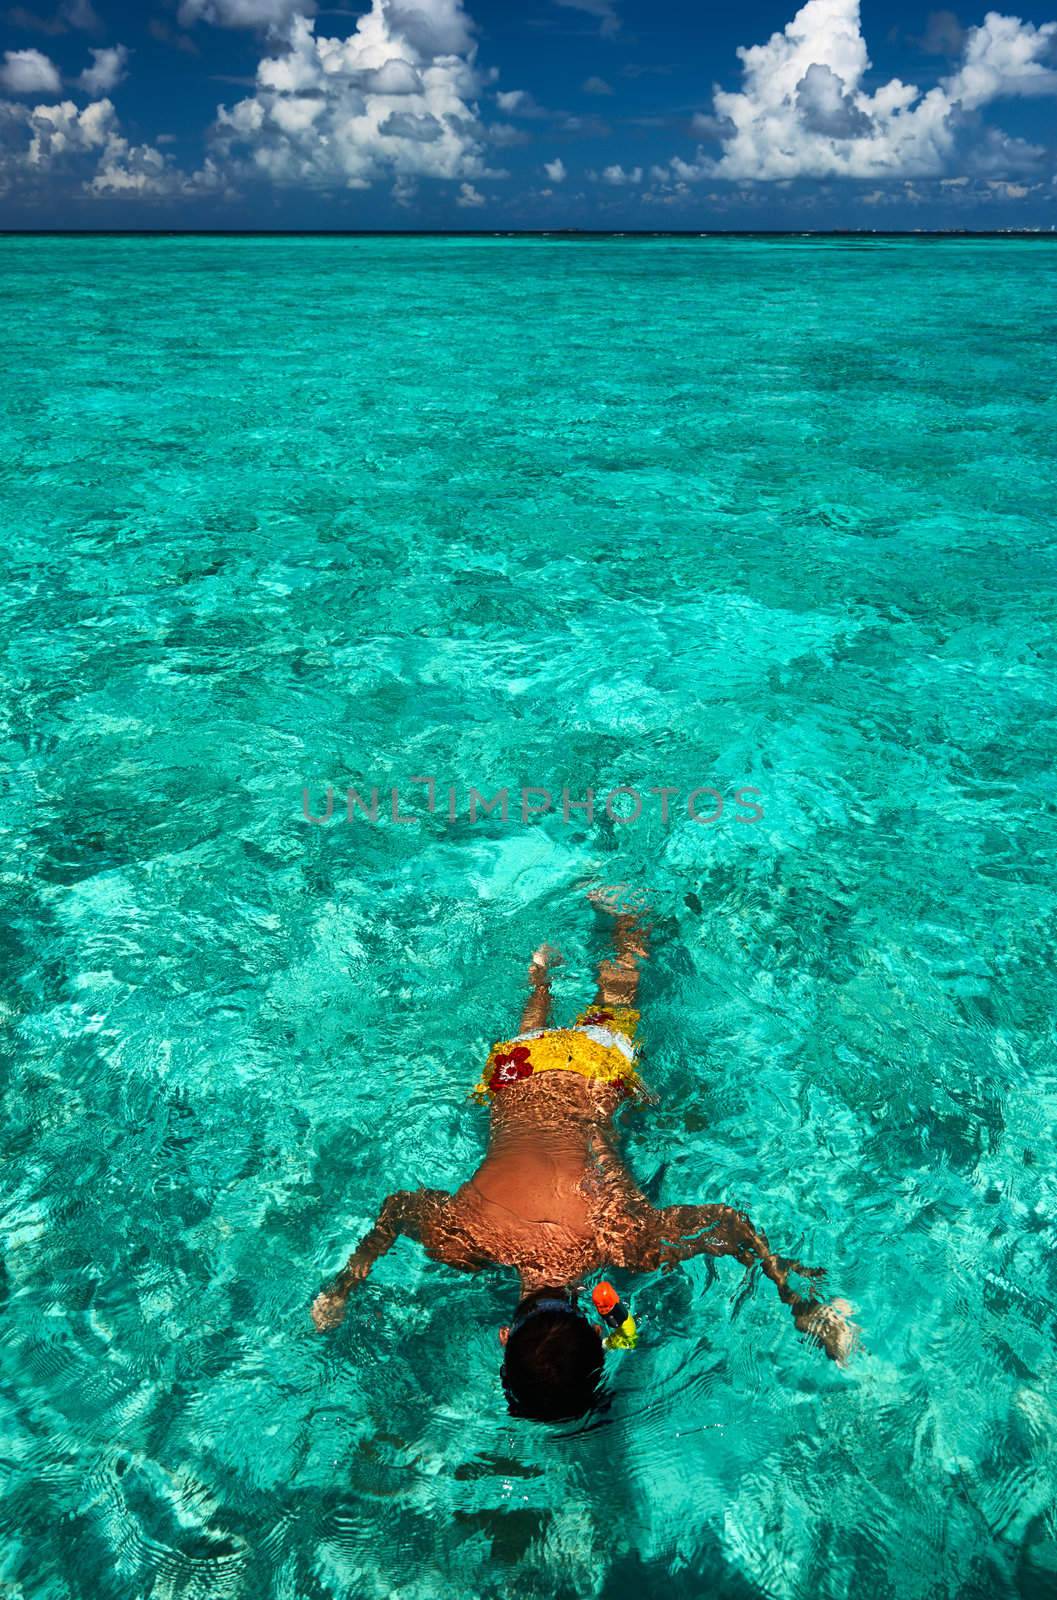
{"type": "Point", "coordinates": [642, 513]}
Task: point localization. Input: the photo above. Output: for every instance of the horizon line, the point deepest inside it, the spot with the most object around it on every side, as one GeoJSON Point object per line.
{"type": "Point", "coordinates": [535, 233]}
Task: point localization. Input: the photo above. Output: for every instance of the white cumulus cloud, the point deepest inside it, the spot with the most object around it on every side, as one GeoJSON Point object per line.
{"type": "Point", "coordinates": [29, 72]}
{"type": "Point", "coordinates": [802, 110]}
{"type": "Point", "coordinates": [618, 175]}
{"type": "Point", "coordinates": [137, 170]}
{"type": "Point", "coordinates": [1004, 57]}
{"type": "Point", "coordinates": [518, 103]}
{"type": "Point", "coordinates": [555, 170]}
{"type": "Point", "coordinates": [107, 70]}
{"type": "Point", "coordinates": [394, 99]}
{"type": "Point", "coordinates": [83, 145]}
{"type": "Point", "coordinates": [61, 130]}
{"type": "Point", "coordinates": [243, 13]}
{"type": "Point", "coordinates": [469, 196]}
{"type": "Point", "coordinates": [433, 27]}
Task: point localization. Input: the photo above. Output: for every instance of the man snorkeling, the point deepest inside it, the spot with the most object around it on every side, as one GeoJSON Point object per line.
{"type": "Point", "coordinates": [553, 1200]}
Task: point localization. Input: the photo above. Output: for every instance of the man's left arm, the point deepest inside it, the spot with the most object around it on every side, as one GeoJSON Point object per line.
{"type": "Point", "coordinates": [675, 1233]}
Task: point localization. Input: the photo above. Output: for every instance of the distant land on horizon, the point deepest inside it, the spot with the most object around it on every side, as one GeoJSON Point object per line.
{"type": "Point", "coordinates": [531, 233]}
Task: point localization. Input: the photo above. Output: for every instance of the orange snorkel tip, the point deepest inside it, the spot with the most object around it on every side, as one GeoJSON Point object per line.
{"type": "Point", "coordinates": [605, 1298]}
{"type": "Point", "coordinates": [616, 1316]}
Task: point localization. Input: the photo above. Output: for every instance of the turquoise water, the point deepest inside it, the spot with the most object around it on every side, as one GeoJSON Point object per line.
{"type": "Point", "coordinates": [286, 513]}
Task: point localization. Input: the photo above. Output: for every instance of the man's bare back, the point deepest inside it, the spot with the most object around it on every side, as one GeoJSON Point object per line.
{"type": "Point", "coordinates": [552, 1199]}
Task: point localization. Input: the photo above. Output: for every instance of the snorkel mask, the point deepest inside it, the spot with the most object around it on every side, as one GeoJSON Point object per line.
{"type": "Point", "coordinates": [569, 1307]}
{"type": "Point", "coordinates": [623, 1333]}
{"type": "Point", "coordinates": [552, 1367]}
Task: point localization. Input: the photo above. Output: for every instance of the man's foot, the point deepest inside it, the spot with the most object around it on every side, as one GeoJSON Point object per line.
{"type": "Point", "coordinates": [618, 977]}
{"type": "Point", "coordinates": [543, 959]}
{"type": "Point", "coordinates": [538, 1004]}
{"type": "Point", "coordinates": [630, 933]}
{"type": "Point", "coordinates": [617, 900]}
{"type": "Point", "coordinates": [629, 930]}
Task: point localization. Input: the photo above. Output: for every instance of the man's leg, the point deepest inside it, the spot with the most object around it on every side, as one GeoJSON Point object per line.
{"type": "Point", "coordinates": [618, 978]}
{"type": "Point", "coordinates": [538, 1006]}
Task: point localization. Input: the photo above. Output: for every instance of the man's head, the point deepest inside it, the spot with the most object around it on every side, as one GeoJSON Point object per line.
{"type": "Point", "coordinates": [552, 1364]}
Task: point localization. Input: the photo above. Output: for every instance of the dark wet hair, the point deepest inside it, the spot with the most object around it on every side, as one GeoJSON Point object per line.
{"type": "Point", "coordinates": [553, 1364]}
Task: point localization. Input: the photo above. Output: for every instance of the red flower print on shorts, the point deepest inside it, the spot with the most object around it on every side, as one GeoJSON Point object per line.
{"type": "Point", "coordinates": [511, 1066]}
{"type": "Point", "coordinates": [597, 1019]}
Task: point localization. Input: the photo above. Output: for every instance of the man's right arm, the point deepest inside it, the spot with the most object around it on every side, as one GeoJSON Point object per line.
{"type": "Point", "coordinates": [401, 1212]}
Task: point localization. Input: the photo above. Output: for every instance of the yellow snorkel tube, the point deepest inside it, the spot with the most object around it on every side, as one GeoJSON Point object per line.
{"type": "Point", "coordinates": [623, 1334]}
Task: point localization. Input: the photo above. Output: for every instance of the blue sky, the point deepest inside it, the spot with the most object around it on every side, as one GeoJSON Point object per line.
{"type": "Point", "coordinates": [547, 113]}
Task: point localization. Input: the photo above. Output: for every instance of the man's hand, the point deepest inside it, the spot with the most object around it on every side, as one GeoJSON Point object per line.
{"type": "Point", "coordinates": [827, 1325]}
{"type": "Point", "coordinates": [328, 1309]}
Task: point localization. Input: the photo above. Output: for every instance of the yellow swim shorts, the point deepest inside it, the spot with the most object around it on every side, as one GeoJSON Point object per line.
{"type": "Point", "coordinates": [599, 1045]}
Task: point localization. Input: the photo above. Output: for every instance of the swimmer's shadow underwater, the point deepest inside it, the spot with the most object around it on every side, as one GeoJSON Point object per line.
{"type": "Point", "coordinates": [553, 1200]}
